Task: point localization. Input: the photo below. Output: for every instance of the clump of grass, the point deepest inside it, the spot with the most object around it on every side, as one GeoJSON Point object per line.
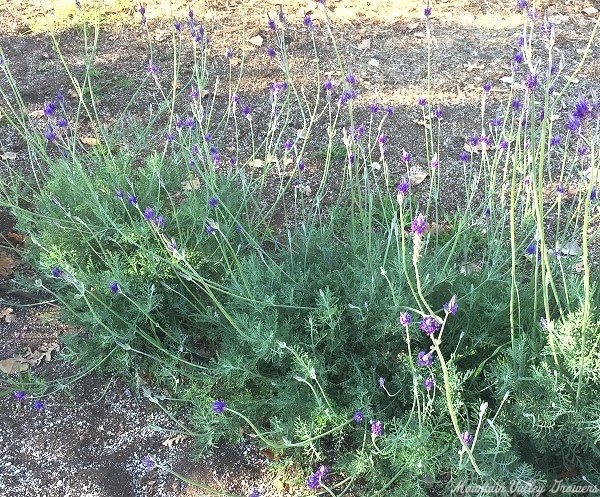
{"type": "Point", "coordinates": [380, 344]}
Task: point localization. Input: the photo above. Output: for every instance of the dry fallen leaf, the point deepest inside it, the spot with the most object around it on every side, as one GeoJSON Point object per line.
{"type": "Point", "coordinates": [590, 11]}
{"type": "Point", "coordinates": [257, 41]}
{"type": "Point", "coordinates": [8, 315]}
{"type": "Point", "coordinates": [412, 26]}
{"type": "Point", "coordinates": [364, 44]}
{"type": "Point", "coordinates": [8, 156]}
{"type": "Point", "coordinates": [36, 113]}
{"type": "Point", "coordinates": [373, 62]}
{"type": "Point", "coordinates": [571, 248]}
{"type": "Point", "coordinates": [89, 140]}
{"type": "Point", "coordinates": [13, 365]}
{"type": "Point", "coordinates": [7, 264]}
{"type": "Point", "coordinates": [480, 147]}
{"type": "Point", "coordinates": [422, 122]}
{"type": "Point", "coordinates": [175, 440]}
{"type": "Point", "coordinates": [257, 163]}
{"type": "Point", "coordinates": [44, 353]}
{"type": "Point", "coordinates": [192, 184]}
{"type": "Point", "coordinates": [416, 175]}
{"type": "Point", "coordinates": [302, 133]}
{"type": "Point", "coordinates": [375, 165]}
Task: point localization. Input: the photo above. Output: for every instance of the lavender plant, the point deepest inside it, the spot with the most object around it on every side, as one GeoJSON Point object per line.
{"type": "Point", "coordinates": [361, 338]}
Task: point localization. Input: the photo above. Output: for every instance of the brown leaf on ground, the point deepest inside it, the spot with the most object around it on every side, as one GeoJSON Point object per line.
{"type": "Point", "coordinates": [13, 365]}
{"type": "Point", "coordinates": [7, 315]}
{"type": "Point", "coordinates": [7, 264]}
{"type": "Point", "coordinates": [15, 238]}
{"type": "Point", "coordinates": [43, 353]}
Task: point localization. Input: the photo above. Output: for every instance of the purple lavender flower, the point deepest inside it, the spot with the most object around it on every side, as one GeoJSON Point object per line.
{"type": "Point", "coordinates": [281, 15]}
{"type": "Point", "coordinates": [516, 104]}
{"type": "Point", "coordinates": [177, 25]}
{"type": "Point", "coordinates": [346, 96]}
{"type": "Point", "coordinates": [350, 79]}
{"type": "Point", "coordinates": [148, 463]}
{"type": "Point", "coordinates": [218, 406]}
{"type": "Point", "coordinates": [119, 193]}
{"type": "Point", "coordinates": [382, 139]}
{"type": "Point", "coordinates": [405, 319]}
{"type": "Point", "coordinates": [594, 194]}
{"type": "Point", "coordinates": [301, 166]}
{"type": "Point", "coordinates": [435, 162]}
{"type": "Point", "coordinates": [358, 417]}
{"type": "Point", "coordinates": [19, 394]}
{"type": "Point", "coordinates": [389, 110]}
{"type": "Point", "coordinates": [246, 110]}
{"type": "Point", "coordinates": [573, 124]}
{"type": "Point", "coordinates": [229, 53]}
{"type": "Point", "coordinates": [451, 307]}
{"type": "Point", "coordinates": [287, 145]}
{"type": "Point", "coordinates": [132, 199]}
{"type": "Point", "coordinates": [190, 122]}
{"type": "Point", "coordinates": [318, 477]}
{"type": "Point", "coordinates": [308, 22]}
{"type": "Point", "coordinates": [521, 5]}
{"type": "Point", "coordinates": [497, 122]}
{"type": "Point", "coordinates": [149, 213]}
{"type": "Point", "coordinates": [429, 383]}
{"type": "Point", "coordinates": [152, 69]}
{"type": "Point", "coordinates": [427, 11]}
{"type": "Point", "coordinates": [50, 135]}
{"type": "Point", "coordinates": [582, 150]}
{"type": "Point", "coordinates": [555, 141]}
{"type": "Point", "coordinates": [328, 85]}
{"type": "Point", "coordinates": [376, 428]}
{"type": "Point", "coordinates": [62, 123]}
{"type": "Point", "coordinates": [254, 493]}
{"type": "Point", "coordinates": [358, 132]}
{"type": "Point", "coordinates": [209, 229]}
{"type": "Point", "coordinates": [375, 108]}
{"type": "Point", "coordinates": [467, 438]}
{"type": "Point", "coordinates": [49, 109]}
{"type": "Point", "coordinates": [57, 272]}
{"type": "Point", "coordinates": [406, 157]}
{"type": "Point", "coordinates": [474, 141]}
{"type": "Point", "coordinates": [531, 249]}
{"type": "Point", "coordinates": [437, 112]}
{"type": "Point", "coordinates": [418, 225]}
{"type": "Point", "coordinates": [487, 87]}
{"type": "Point", "coordinates": [518, 57]}
{"type": "Point", "coordinates": [464, 156]}
{"type": "Point", "coordinates": [114, 287]}
{"type": "Point", "coordinates": [403, 188]}
{"type": "Point", "coordinates": [531, 81]}
{"type": "Point", "coordinates": [271, 24]}
{"type": "Point", "coordinates": [38, 405]}
{"type": "Point", "coordinates": [271, 52]}
{"type": "Point", "coordinates": [424, 359]}
{"type": "Point", "coordinates": [429, 325]}
{"type": "Point", "coordinates": [540, 116]}
{"type": "Point", "coordinates": [582, 109]}
{"type": "Point", "coordinates": [159, 222]}
{"type": "Point", "coordinates": [422, 102]}
{"type": "Point", "coordinates": [503, 145]}
{"type": "Point", "coordinates": [561, 190]}
{"type": "Point", "coordinates": [213, 202]}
